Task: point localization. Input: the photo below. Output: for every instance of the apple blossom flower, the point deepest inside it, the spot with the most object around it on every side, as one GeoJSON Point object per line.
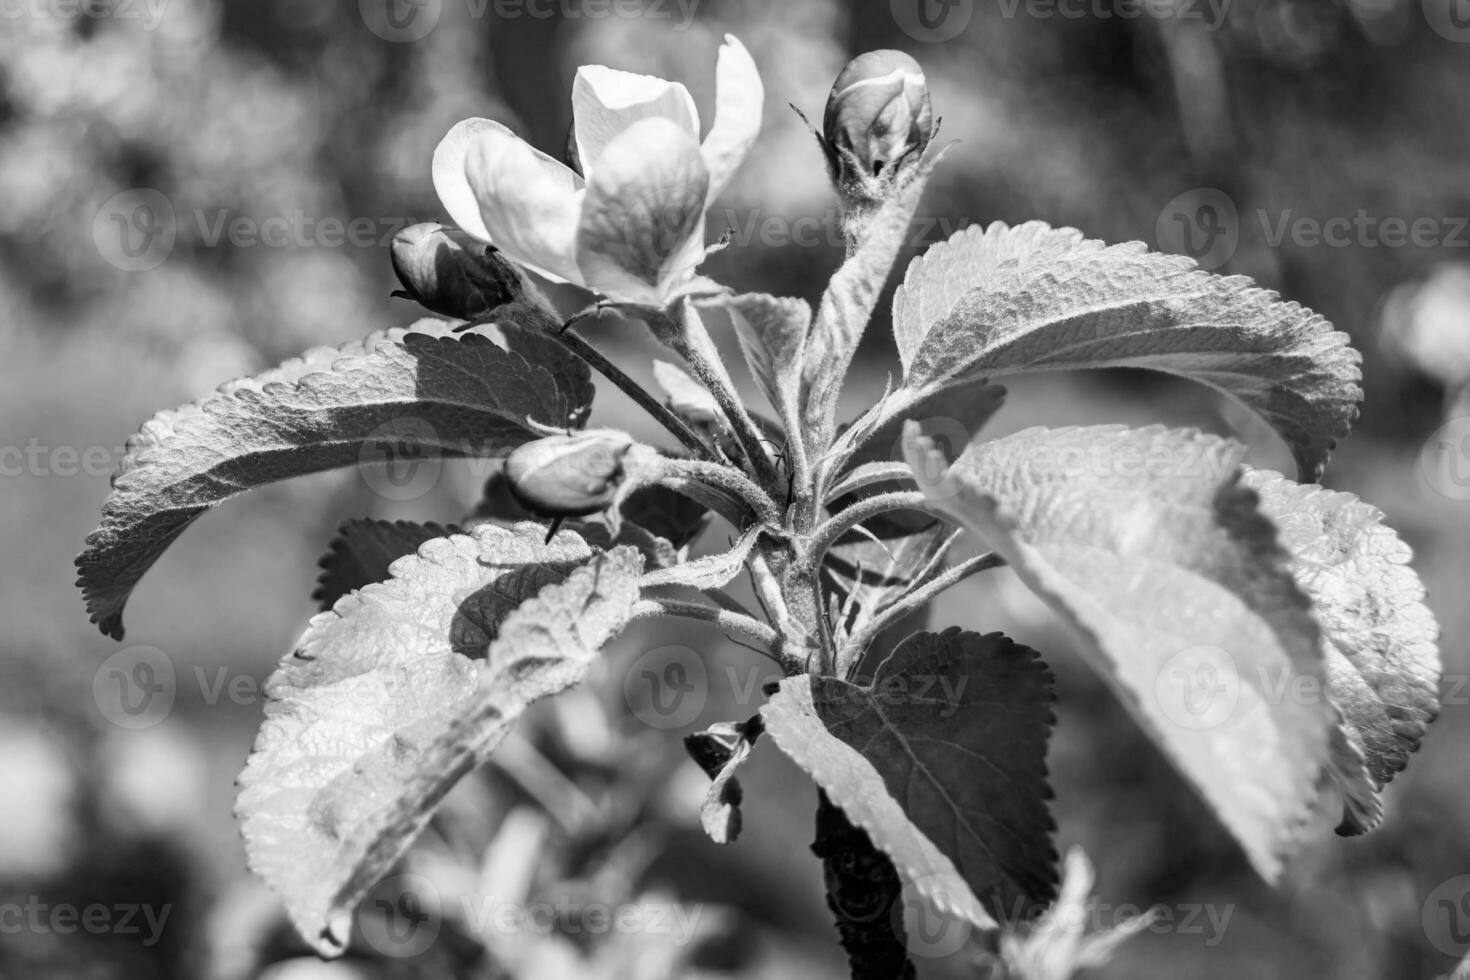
{"type": "Point", "coordinates": [878, 119]}
{"type": "Point", "coordinates": [631, 225]}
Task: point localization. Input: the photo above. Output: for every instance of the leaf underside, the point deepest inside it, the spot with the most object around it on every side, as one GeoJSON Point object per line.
{"type": "Point", "coordinates": [438, 394]}
{"type": "Point", "coordinates": [401, 689]}
{"type": "Point", "coordinates": [1151, 549]}
{"type": "Point", "coordinates": [941, 760]}
{"type": "Point", "coordinates": [363, 550]}
{"type": "Point", "coordinates": [999, 300]}
{"type": "Point", "coordinates": [1380, 638]}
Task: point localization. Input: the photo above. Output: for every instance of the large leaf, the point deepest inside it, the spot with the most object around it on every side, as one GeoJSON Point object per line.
{"type": "Point", "coordinates": [363, 550]}
{"type": "Point", "coordinates": [942, 761]}
{"type": "Point", "coordinates": [443, 394]}
{"type": "Point", "coordinates": [1035, 298]}
{"type": "Point", "coordinates": [1150, 547]}
{"type": "Point", "coordinates": [1380, 638]}
{"type": "Point", "coordinates": [406, 685]}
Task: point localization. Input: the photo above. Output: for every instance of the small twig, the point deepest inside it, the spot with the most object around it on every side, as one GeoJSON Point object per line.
{"type": "Point", "coordinates": [688, 338]}
{"type": "Point", "coordinates": [637, 392]}
{"type": "Point", "coordinates": [730, 480]}
{"type": "Point", "coordinates": [733, 622]}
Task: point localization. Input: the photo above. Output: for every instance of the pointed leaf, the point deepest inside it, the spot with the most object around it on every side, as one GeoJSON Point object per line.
{"type": "Point", "coordinates": [1149, 546]}
{"type": "Point", "coordinates": [942, 761]}
{"type": "Point", "coordinates": [383, 706]}
{"type": "Point", "coordinates": [847, 305]}
{"type": "Point", "coordinates": [444, 395]}
{"type": "Point", "coordinates": [1383, 665]}
{"type": "Point", "coordinates": [710, 572]}
{"type": "Point", "coordinates": [362, 551]}
{"type": "Point", "coordinates": [772, 332]}
{"type": "Point", "coordinates": [1038, 298]}
{"type": "Point", "coordinates": [720, 750]}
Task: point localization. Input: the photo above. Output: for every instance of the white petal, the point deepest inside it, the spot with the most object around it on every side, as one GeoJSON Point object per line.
{"type": "Point", "coordinates": [530, 203]}
{"type": "Point", "coordinates": [643, 221]}
{"type": "Point", "coordinates": [739, 101]}
{"type": "Point", "coordinates": [605, 102]}
{"type": "Point", "coordinates": [450, 181]}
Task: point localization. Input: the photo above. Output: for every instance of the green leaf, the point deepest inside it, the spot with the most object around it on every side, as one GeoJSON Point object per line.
{"type": "Point", "coordinates": [942, 761]}
{"type": "Point", "coordinates": [1035, 298]}
{"type": "Point", "coordinates": [446, 395]}
{"type": "Point", "coordinates": [1380, 638]}
{"type": "Point", "coordinates": [1154, 552]}
{"type": "Point", "coordinates": [362, 551]}
{"type": "Point", "coordinates": [710, 572]}
{"type": "Point", "coordinates": [772, 331]}
{"type": "Point", "coordinates": [848, 304]}
{"type": "Point", "coordinates": [403, 688]}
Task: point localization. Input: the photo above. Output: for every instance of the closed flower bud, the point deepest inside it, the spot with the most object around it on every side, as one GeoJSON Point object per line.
{"type": "Point", "coordinates": [568, 476]}
{"type": "Point", "coordinates": [448, 272]}
{"type": "Point", "coordinates": [879, 118]}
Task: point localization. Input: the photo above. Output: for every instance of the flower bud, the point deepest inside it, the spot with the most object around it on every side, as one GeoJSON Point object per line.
{"type": "Point", "coordinates": [878, 118]}
{"type": "Point", "coordinates": [568, 476]}
{"type": "Point", "coordinates": [448, 272]}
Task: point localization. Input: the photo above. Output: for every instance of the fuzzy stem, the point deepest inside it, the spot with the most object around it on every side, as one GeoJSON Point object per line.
{"type": "Point", "coordinates": [733, 622]}
{"type": "Point", "coordinates": [842, 522]}
{"type": "Point", "coordinates": [731, 480]}
{"type": "Point", "coordinates": [686, 335]}
{"type": "Point", "coordinates": [638, 393]}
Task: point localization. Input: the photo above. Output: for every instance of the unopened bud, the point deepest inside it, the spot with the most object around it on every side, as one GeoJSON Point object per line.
{"type": "Point", "coordinates": [448, 272]}
{"type": "Point", "coordinates": [568, 476]}
{"type": "Point", "coordinates": [879, 118]}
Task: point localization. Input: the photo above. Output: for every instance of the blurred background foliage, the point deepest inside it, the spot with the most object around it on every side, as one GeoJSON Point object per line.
{"type": "Point", "coordinates": [269, 108]}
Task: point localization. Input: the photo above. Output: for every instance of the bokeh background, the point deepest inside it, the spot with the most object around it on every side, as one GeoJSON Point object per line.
{"type": "Point", "coordinates": [281, 144]}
